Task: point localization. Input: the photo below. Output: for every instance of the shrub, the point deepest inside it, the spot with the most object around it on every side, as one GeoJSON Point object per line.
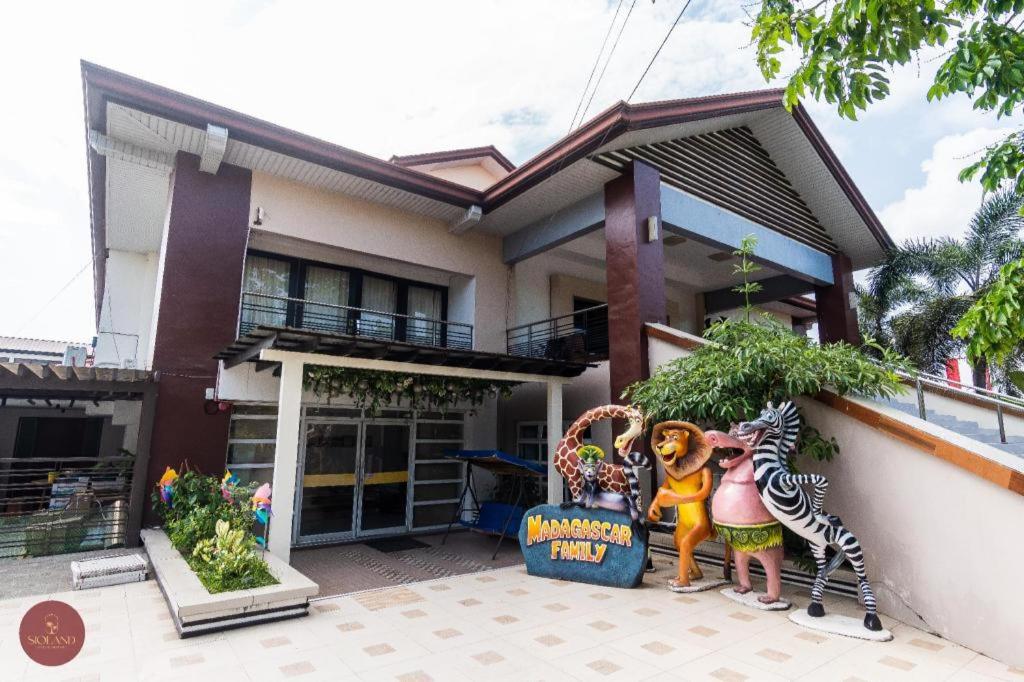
{"type": "Point", "coordinates": [228, 561]}
{"type": "Point", "coordinates": [198, 511]}
{"type": "Point", "coordinates": [748, 364]}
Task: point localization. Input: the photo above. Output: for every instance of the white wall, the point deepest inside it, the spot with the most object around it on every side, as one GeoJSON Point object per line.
{"type": "Point", "coordinates": [941, 543]}
{"type": "Point", "coordinates": [126, 314]}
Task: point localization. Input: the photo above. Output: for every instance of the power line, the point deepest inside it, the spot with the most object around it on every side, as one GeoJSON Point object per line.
{"type": "Point", "coordinates": [53, 298]}
{"type": "Point", "coordinates": [658, 51]}
{"type": "Point", "coordinates": [583, 95]}
{"type": "Point", "coordinates": [607, 61]}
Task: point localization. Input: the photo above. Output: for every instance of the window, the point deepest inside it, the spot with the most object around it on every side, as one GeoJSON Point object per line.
{"type": "Point", "coordinates": [438, 480]}
{"type": "Point", "coordinates": [266, 281]}
{"type": "Point", "coordinates": [251, 440]}
{"type": "Point", "coordinates": [345, 301]}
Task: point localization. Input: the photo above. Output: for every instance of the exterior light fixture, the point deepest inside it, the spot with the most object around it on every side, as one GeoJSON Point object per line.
{"type": "Point", "coordinates": [653, 228]}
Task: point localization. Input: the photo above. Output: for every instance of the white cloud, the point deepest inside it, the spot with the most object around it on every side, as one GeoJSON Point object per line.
{"type": "Point", "coordinates": [943, 205]}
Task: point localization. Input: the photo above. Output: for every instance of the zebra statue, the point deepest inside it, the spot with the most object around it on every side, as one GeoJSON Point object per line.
{"type": "Point", "coordinates": [773, 436]}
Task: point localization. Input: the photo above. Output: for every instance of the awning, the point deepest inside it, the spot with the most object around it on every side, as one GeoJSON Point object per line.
{"type": "Point", "coordinates": [29, 380]}
{"type": "Point", "coordinates": [247, 348]}
{"type": "Point", "coordinates": [499, 462]}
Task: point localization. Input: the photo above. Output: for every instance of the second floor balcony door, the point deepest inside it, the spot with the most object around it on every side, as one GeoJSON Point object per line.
{"type": "Point", "coordinates": [380, 295]}
{"type": "Point", "coordinates": [326, 290]}
{"type": "Point", "coordinates": [266, 283]}
{"type": "Point", "coordinates": [424, 312]}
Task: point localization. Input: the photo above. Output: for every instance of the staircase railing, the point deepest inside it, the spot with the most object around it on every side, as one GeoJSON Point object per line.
{"type": "Point", "coordinates": [1000, 401]}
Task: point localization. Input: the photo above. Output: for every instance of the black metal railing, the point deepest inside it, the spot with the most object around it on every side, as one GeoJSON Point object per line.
{"type": "Point", "coordinates": [577, 336]}
{"type": "Point", "coordinates": [56, 506]}
{"type": "Point", "coordinates": [281, 311]}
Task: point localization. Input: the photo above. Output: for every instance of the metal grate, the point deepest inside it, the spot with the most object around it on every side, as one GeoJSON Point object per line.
{"type": "Point", "coordinates": [578, 336]}
{"type": "Point", "coordinates": [54, 506]}
{"type": "Point", "coordinates": [281, 311]}
{"type": "Point", "coordinates": [730, 168]}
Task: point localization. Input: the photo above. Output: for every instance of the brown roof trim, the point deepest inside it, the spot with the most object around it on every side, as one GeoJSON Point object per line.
{"type": "Point", "coordinates": [678, 341]}
{"type": "Point", "coordinates": [616, 120]}
{"type": "Point", "coordinates": [834, 166]}
{"type": "Point", "coordinates": [990, 470]}
{"type": "Point", "coordinates": [102, 84]}
{"type": "Point", "coordinates": [454, 155]}
{"type": "Point", "coordinates": [801, 302]}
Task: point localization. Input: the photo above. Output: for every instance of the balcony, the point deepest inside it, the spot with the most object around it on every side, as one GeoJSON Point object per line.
{"type": "Point", "coordinates": [581, 336]}
{"type": "Point", "coordinates": [297, 313]}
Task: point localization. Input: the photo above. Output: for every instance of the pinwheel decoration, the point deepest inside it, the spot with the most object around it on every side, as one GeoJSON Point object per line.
{"type": "Point", "coordinates": [227, 485]}
{"type": "Point", "coordinates": [261, 510]}
{"type": "Point", "coordinates": [166, 486]}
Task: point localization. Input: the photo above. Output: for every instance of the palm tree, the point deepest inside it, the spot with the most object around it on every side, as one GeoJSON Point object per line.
{"type": "Point", "coordinates": [923, 288]}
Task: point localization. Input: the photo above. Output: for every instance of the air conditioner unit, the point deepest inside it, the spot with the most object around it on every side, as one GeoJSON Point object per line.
{"type": "Point", "coordinates": [127, 363]}
{"type": "Point", "coordinates": [75, 356]}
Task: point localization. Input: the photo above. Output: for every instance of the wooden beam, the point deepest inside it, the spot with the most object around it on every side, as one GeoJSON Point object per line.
{"type": "Point", "coordinates": [251, 352]}
{"type": "Point", "coordinates": [772, 289]}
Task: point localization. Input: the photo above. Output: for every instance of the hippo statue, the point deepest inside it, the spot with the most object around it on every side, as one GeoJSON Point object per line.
{"type": "Point", "coordinates": [742, 520]}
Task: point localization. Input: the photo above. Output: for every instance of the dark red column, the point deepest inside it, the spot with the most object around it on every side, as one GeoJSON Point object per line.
{"type": "Point", "coordinates": [198, 314]}
{"type": "Point", "coordinates": [634, 271]}
{"type": "Point", "coordinates": [837, 308]}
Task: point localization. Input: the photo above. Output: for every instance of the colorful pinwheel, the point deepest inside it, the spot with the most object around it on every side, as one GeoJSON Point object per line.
{"type": "Point", "coordinates": [261, 510]}
{"type": "Point", "coordinates": [227, 485]}
{"type": "Point", "coordinates": [166, 486]}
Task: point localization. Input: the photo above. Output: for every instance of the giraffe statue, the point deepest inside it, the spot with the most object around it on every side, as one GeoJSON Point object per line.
{"type": "Point", "coordinates": [614, 478]}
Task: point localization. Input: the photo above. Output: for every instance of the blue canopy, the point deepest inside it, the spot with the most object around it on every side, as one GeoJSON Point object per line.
{"type": "Point", "coordinates": [498, 461]}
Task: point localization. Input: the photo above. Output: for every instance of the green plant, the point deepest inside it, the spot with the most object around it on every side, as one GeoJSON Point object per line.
{"type": "Point", "coordinates": [746, 365]}
{"type": "Point", "coordinates": [994, 325]}
{"type": "Point", "coordinates": [228, 561]}
{"type": "Point", "coordinates": [745, 268]}
{"type": "Point", "coordinates": [845, 48]}
{"type": "Point", "coordinates": [924, 287]}
{"type": "Point", "coordinates": [373, 389]}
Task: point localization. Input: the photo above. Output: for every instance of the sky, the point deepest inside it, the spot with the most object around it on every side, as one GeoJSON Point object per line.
{"type": "Point", "coordinates": [401, 78]}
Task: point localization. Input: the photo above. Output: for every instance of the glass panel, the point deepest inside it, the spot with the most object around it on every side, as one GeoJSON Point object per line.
{"type": "Point", "coordinates": [531, 451]}
{"type": "Point", "coordinates": [257, 475]}
{"type": "Point", "coordinates": [428, 431]}
{"type": "Point", "coordinates": [385, 476]}
{"type": "Point", "coordinates": [329, 479]}
{"type": "Point", "coordinates": [441, 491]}
{"type": "Point", "coordinates": [250, 453]}
{"type": "Point", "coordinates": [254, 409]}
{"type": "Point", "coordinates": [254, 428]}
{"type": "Point", "coordinates": [433, 515]}
{"type": "Point", "coordinates": [326, 285]}
{"type": "Point", "coordinates": [451, 416]}
{"type": "Point", "coordinates": [265, 282]}
{"type": "Point", "coordinates": [424, 311]}
{"type": "Point", "coordinates": [438, 472]}
{"type": "Point", "coordinates": [435, 450]}
{"type": "Point", "coordinates": [530, 431]}
{"type": "Point", "coordinates": [333, 412]}
{"type": "Point", "coordinates": [380, 295]}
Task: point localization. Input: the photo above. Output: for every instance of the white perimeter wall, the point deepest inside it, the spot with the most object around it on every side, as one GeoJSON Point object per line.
{"type": "Point", "coordinates": [943, 546]}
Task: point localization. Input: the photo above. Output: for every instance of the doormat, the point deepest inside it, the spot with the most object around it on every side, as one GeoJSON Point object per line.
{"type": "Point", "coordinates": [388, 545]}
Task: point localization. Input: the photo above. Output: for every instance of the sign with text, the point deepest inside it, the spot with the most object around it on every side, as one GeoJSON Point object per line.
{"type": "Point", "coordinates": [594, 546]}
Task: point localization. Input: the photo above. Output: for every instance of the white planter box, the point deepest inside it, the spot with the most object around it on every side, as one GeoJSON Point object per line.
{"type": "Point", "coordinates": [196, 611]}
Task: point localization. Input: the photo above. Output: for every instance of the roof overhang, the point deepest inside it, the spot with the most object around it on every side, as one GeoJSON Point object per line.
{"type": "Point", "coordinates": [389, 355]}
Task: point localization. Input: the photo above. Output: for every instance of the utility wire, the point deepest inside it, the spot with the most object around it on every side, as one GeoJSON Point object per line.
{"type": "Point", "coordinates": [53, 298]}
{"type": "Point", "coordinates": [658, 51]}
{"type": "Point", "coordinates": [583, 95]}
{"type": "Point", "coordinates": [607, 61]}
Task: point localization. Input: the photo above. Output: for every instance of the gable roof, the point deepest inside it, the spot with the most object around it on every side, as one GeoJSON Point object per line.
{"type": "Point", "coordinates": [490, 151]}
{"type": "Point", "coordinates": [621, 125]}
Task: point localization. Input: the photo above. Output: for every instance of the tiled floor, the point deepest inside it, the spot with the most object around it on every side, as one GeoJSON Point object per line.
{"type": "Point", "coordinates": [501, 625]}
{"type": "Point", "coordinates": [356, 567]}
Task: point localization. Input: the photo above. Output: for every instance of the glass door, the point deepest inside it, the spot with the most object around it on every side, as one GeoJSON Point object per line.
{"type": "Point", "coordinates": [329, 477]}
{"type": "Point", "coordinates": [384, 489]}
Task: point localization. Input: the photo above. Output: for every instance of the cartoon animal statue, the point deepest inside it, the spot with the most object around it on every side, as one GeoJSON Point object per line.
{"type": "Point", "coordinates": [741, 519]}
{"type": "Point", "coordinates": [773, 436]}
{"type": "Point", "coordinates": [592, 461]}
{"type": "Point", "coordinates": [682, 452]}
{"type": "Point", "coordinates": [611, 478]}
